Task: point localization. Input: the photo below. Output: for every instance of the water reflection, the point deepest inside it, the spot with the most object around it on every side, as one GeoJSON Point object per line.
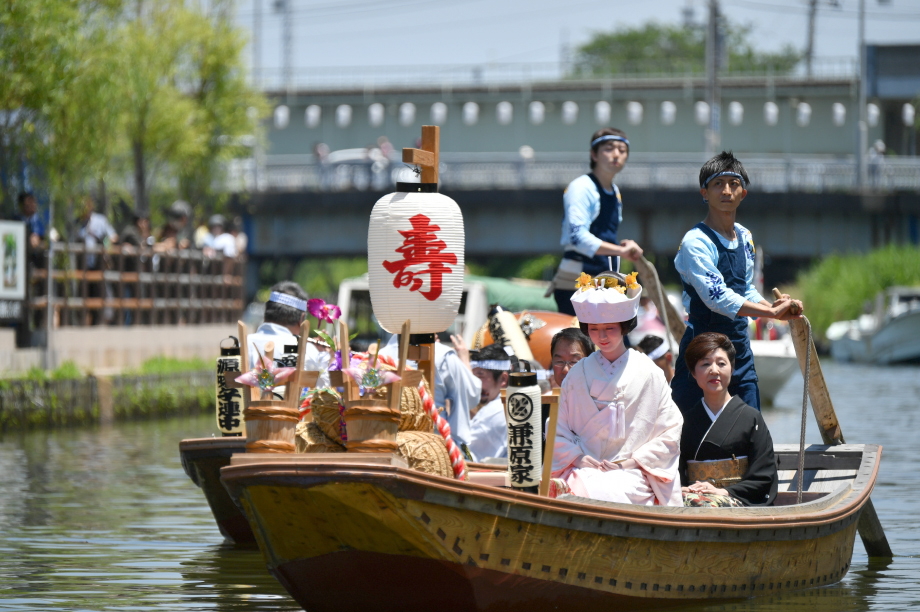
{"type": "Point", "coordinates": [106, 519]}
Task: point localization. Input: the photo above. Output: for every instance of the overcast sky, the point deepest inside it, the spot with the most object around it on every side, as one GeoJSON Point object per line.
{"type": "Point", "coordinates": [411, 32]}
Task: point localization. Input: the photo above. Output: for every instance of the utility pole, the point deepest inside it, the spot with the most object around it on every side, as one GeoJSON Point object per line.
{"type": "Point", "coordinates": [257, 43]}
{"type": "Point", "coordinates": [810, 47]}
{"type": "Point", "coordinates": [713, 63]}
{"type": "Point", "coordinates": [284, 7]}
{"type": "Point", "coordinates": [862, 137]}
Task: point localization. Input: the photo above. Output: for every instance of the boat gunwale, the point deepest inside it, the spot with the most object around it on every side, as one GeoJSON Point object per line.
{"type": "Point", "coordinates": [203, 444]}
{"type": "Point", "coordinates": [235, 476]}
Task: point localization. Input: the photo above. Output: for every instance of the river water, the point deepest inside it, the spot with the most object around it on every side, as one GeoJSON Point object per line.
{"type": "Point", "coordinates": [105, 518]}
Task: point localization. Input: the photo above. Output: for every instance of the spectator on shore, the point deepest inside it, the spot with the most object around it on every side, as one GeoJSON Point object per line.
{"type": "Point", "coordinates": [177, 233]}
{"type": "Point", "coordinates": [28, 213]}
{"type": "Point", "coordinates": [137, 234]}
{"type": "Point", "coordinates": [95, 231]}
{"type": "Point", "coordinates": [242, 240]}
{"type": "Point", "coordinates": [222, 242]}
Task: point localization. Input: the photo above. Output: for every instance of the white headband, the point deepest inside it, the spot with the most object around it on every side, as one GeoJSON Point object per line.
{"type": "Point", "coordinates": [492, 364]}
{"type": "Point", "coordinates": [660, 352]}
{"type": "Point", "coordinates": [601, 139]}
{"type": "Point", "coordinates": [288, 300]}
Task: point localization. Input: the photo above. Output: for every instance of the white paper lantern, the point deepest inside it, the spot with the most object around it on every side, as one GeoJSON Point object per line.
{"type": "Point", "coordinates": [770, 113]}
{"type": "Point", "coordinates": [569, 112]}
{"type": "Point", "coordinates": [735, 113]}
{"type": "Point", "coordinates": [803, 114]}
{"type": "Point", "coordinates": [634, 113]}
{"type": "Point", "coordinates": [438, 113]}
{"type": "Point", "coordinates": [343, 115]}
{"type": "Point", "coordinates": [375, 114]}
{"type": "Point", "coordinates": [415, 253]}
{"type": "Point", "coordinates": [537, 112]}
{"type": "Point", "coordinates": [668, 112]}
{"type": "Point", "coordinates": [908, 113]}
{"type": "Point", "coordinates": [602, 112]}
{"type": "Point", "coordinates": [406, 114]}
{"type": "Point", "coordinates": [504, 112]}
{"type": "Point", "coordinates": [282, 117]}
{"type": "Point", "coordinates": [838, 114]}
{"type": "Point", "coordinates": [312, 116]}
{"type": "Point", "coordinates": [873, 112]}
{"type": "Point", "coordinates": [701, 112]}
{"type": "Point", "coordinates": [470, 113]}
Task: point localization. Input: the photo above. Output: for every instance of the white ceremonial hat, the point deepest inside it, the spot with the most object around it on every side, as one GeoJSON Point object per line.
{"type": "Point", "coordinates": [595, 301]}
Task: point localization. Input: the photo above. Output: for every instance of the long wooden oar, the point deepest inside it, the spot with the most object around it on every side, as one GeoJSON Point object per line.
{"type": "Point", "coordinates": [653, 289]}
{"type": "Point", "coordinates": [869, 526]}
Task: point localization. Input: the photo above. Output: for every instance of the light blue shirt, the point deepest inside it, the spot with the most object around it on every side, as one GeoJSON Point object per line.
{"type": "Point", "coordinates": [452, 381]}
{"type": "Point", "coordinates": [697, 262]}
{"type": "Point", "coordinates": [582, 204]}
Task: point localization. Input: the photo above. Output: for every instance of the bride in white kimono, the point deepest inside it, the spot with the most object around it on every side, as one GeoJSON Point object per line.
{"type": "Point", "coordinates": [618, 433]}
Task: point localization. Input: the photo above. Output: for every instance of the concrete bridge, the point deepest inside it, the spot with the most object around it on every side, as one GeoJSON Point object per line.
{"type": "Point", "coordinates": [792, 227]}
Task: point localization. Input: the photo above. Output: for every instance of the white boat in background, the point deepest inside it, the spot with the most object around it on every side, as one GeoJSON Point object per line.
{"type": "Point", "coordinates": [775, 362]}
{"type": "Point", "coordinates": [889, 335]}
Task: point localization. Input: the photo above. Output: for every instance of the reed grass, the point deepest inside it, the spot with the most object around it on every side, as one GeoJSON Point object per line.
{"type": "Point", "coordinates": [842, 287]}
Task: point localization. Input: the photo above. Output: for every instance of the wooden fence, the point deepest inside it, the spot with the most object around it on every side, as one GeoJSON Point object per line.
{"type": "Point", "coordinates": [27, 403]}
{"type": "Point", "coordinates": [124, 285]}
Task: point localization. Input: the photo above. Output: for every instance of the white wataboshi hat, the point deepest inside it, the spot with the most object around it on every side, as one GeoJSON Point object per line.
{"type": "Point", "coordinates": [597, 301]}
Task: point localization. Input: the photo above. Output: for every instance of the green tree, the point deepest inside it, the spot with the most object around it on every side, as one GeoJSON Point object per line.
{"type": "Point", "coordinates": [674, 49]}
{"type": "Point", "coordinates": [187, 96]}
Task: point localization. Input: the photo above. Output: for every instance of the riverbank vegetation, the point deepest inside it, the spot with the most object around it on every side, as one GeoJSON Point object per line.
{"type": "Point", "coordinates": [842, 287]}
{"type": "Point", "coordinates": [65, 396]}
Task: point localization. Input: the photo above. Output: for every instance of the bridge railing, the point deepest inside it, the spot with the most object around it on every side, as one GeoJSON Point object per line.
{"type": "Point", "coordinates": [124, 285]}
{"type": "Point", "coordinates": [510, 171]}
{"type": "Point", "coordinates": [506, 73]}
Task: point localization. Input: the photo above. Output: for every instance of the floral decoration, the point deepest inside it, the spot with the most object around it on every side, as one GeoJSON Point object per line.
{"type": "Point", "coordinates": [583, 282]}
{"type": "Point", "coordinates": [266, 375]}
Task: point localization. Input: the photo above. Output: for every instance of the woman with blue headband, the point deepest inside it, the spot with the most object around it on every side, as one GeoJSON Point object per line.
{"type": "Point", "coordinates": [716, 265]}
{"type": "Point", "coordinates": [593, 213]}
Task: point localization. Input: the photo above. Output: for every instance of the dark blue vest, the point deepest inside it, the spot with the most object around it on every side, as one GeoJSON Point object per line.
{"type": "Point", "coordinates": [732, 266]}
{"type": "Point", "coordinates": [605, 227]}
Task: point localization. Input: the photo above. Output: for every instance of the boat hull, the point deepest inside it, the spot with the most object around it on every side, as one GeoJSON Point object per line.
{"type": "Point", "coordinates": [347, 539]}
{"type": "Point", "coordinates": [202, 459]}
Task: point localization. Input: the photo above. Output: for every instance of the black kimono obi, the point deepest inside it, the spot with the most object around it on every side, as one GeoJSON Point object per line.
{"type": "Point", "coordinates": [738, 431]}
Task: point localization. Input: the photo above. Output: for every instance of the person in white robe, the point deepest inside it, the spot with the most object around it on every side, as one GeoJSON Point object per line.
{"type": "Point", "coordinates": [618, 430]}
{"type": "Point", "coordinates": [284, 312]}
{"type": "Point", "coordinates": [454, 385]}
{"type": "Point", "coordinates": [489, 427]}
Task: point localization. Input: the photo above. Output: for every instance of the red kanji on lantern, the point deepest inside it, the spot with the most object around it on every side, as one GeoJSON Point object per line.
{"type": "Point", "coordinates": [420, 247]}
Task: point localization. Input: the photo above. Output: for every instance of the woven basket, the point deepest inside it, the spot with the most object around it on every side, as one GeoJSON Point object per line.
{"type": "Point", "coordinates": [413, 416]}
{"type": "Point", "coordinates": [425, 452]}
{"type": "Point", "coordinates": [326, 415]}
{"type": "Point", "coordinates": [309, 438]}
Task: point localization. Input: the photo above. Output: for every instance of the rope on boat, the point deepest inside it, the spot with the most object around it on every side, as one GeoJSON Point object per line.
{"type": "Point", "coordinates": [801, 475]}
{"type": "Point", "coordinates": [456, 459]}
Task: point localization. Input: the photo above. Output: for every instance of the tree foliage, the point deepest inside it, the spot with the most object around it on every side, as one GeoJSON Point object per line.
{"type": "Point", "coordinates": [665, 48]}
{"type": "Point", "coordinates": [138, 94]}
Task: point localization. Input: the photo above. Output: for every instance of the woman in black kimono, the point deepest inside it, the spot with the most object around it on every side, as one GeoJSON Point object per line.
{"type": "Point", "coordinates": [723, 427]}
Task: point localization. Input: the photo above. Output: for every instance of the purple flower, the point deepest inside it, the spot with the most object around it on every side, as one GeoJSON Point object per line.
{"type": "Point", "coordinates": [336, 362]}
{"type": "Point", "coordinates": [323, 311]}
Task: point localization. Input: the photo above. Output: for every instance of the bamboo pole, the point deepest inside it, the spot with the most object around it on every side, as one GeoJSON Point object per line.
{"type": "Point", "coordinates": [869, 527]}
{"type": "Point", "coordinates": [548, 449]}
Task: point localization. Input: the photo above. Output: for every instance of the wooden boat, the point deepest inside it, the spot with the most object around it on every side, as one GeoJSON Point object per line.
{"type": "Point", "coordinates": [202, 459]}
{"type": "Point", "coordinates": [359, 532]}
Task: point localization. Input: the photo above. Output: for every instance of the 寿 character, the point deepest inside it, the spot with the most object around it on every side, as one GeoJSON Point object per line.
{"type": "Point", "coordinates": [421, 247]}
